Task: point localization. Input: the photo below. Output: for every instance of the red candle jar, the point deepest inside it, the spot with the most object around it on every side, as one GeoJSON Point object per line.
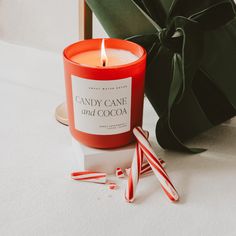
{"type": "Point", "coordinates": [104, 101]}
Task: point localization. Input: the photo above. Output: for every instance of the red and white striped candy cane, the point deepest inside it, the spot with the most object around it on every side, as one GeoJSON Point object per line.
{"type": "Point", "coordinates": [134, 174]}
{"type": "Point", "coordinates": [146, 168]}
{"type": "Point", "coordinates": [155, 164]}
{"type": "Point", "coordinates": [112, 186]}
{"type": "Point", "coordinates": [89, 176]}
{"type": "Point", "coordinates": [119, 173]}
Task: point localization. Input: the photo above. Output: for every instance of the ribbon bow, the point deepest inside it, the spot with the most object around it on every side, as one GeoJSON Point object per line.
{"type": "Point", "coordinates": [183, 39]}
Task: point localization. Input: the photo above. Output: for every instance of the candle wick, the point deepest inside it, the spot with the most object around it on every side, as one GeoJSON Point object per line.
{"type": "Point", "coordinates": [104, 63]}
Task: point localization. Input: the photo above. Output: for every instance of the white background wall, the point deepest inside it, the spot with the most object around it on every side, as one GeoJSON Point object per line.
{"type": "Point", "coordinates": [44, 24]}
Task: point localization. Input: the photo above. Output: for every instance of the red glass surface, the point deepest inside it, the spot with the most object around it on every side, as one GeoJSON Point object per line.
{"type": "Point", "coordinates": [136, 70]}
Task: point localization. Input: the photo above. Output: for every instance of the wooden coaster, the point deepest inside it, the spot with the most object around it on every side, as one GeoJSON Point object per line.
{"type": "Point", "coordinates": [61, 114]}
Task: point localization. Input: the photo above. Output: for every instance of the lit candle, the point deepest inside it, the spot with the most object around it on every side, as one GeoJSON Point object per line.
{"type": "Point", "coordinates": [105, 90]}
{"type": "Point", "coordinates": [104, 57]}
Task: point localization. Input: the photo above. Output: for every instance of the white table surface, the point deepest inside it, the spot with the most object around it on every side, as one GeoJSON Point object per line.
{"type": "Point", "coordinates": [37, 196]}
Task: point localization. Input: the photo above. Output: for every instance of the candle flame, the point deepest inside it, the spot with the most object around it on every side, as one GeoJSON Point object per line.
{"type": "Point", "coordinates": [104, 59]}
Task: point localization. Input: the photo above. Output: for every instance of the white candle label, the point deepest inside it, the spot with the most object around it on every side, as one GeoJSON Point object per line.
{"type": "Point", "coordinates": [102, 107]}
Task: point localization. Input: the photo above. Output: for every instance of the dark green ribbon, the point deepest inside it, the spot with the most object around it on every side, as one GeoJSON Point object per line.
{"type": "Point", "coordinates": [184, 37]}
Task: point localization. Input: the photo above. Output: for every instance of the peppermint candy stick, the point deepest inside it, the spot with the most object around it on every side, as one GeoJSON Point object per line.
{"type": "Point", "coordinates": [155, 164]}
{"type": "Point", "coordinates": [90, 176]}
{"type": "Point", "coordinates": [134, 174]}
{"type": "Point", "coordinates": [148, 144]}
{"type": "Point", "coordinates": [112, 186]}
{"type": "Point", "coordinates": [146, 168]}
{"type": "Point", "coordinates": [119, 173]}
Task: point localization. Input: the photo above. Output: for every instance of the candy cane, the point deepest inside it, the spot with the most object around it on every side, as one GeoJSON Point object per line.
{"type": "Point", "coordinates": [146, 168]}
{"type": "Point", "coordinates": [155, 164]}
{"type": "Point", "coordinates": [145, 133]}
{"type": "Point", "coordinates": [119, 173]}
{"type": "Point", "coordinates": [89, 176]}
{"type": "Point", "coordinates": [112, 186]}
{"type": "Point", "coordinates": [144, 149]}
{"type": "Point", "coordinates": [134, 174]}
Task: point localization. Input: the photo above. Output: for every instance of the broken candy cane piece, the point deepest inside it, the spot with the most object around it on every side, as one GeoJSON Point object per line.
{"type": "Point", "coordinates": [146, 168]}
{"type": "Point", "coordinates": [119, 173]}
{"type": "Point", "coordinates": [89, 176]}
{"type": "Point", "coordinates": [112, 186]}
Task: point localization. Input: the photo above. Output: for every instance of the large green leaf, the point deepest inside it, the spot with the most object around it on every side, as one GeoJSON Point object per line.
{"type": "Point", "coordinates": [121, 18]}
{"type": "Point", "coordinates": [182, 70]}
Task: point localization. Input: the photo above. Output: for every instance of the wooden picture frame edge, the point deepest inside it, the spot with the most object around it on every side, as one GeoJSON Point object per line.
{"type": "Point", "coordinates": [85, 20]}
{"type": "Point", "coordinates": [85, 24]}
